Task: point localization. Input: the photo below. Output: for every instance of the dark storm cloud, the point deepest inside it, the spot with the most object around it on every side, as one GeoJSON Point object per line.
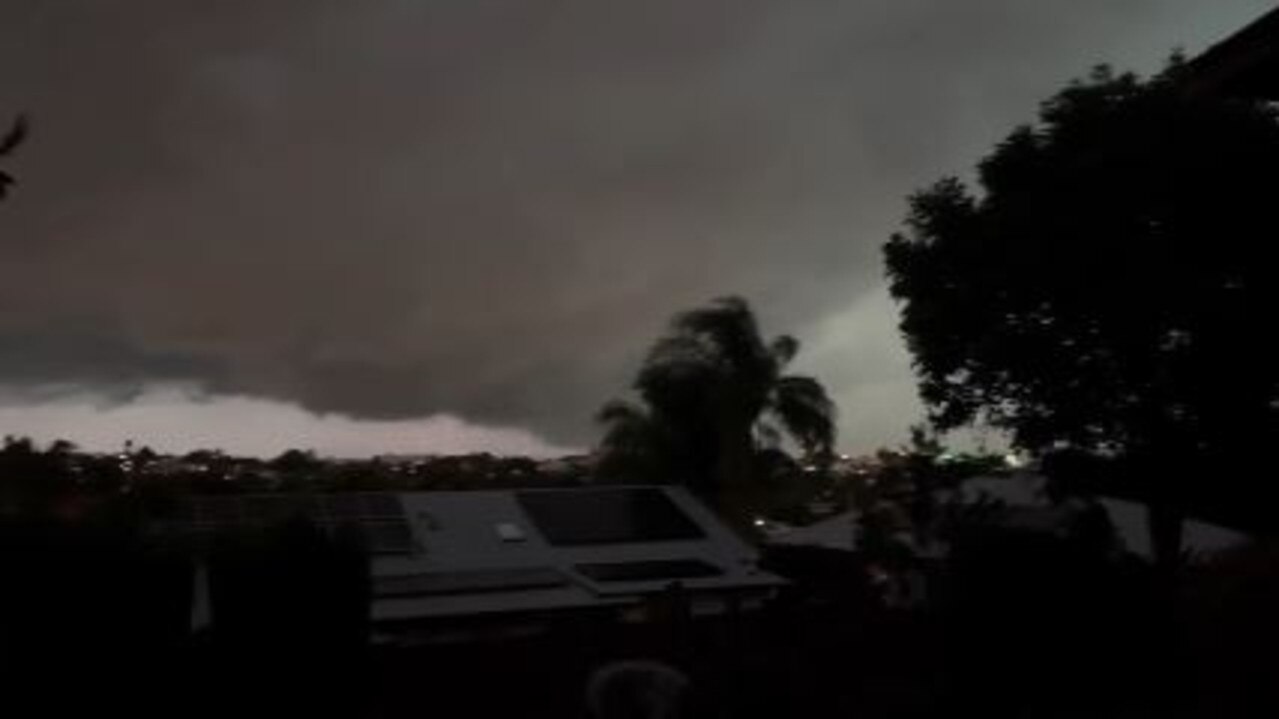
{"type": "Point", "coordinates": [486, 208]}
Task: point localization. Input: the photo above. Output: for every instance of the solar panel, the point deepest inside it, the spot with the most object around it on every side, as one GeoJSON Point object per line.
{"type": "Point", "coordinates": [607, 516]}
{"type": "Point", "coordinates": [376, 517]}
{"type": "Point", "coordinates": [648, 570]}
{"type": "Point", "coordinates": [469, 582]}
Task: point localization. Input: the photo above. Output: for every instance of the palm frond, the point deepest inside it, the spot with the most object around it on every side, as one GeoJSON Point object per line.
{"type": "Point", "coordinates": [711, 395]}
{"type": "Point", "coordinates": [807, 413]}
{"type": "Point", "coordinates": [620, 411]}
{"type": "Point", "coordinates": [14, 137]}
{"type": "Point", "coordinates": [783, 349]}
{"type": "Point", "coordinates": [768, 435]}
{"type": "Point", "coordinates": [677, 376]}
{"type": "Point", "coordinates": [728, 326]}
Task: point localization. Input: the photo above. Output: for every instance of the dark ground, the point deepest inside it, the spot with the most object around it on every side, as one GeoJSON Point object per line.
{"type": "Point", "coordinates": [1017, 625]}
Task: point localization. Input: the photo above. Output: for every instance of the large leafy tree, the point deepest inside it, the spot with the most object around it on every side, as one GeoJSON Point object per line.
{"type": "Point", "coordinates": [1110, 287]}
{"type": "Point", "coordinates": [713, 394]}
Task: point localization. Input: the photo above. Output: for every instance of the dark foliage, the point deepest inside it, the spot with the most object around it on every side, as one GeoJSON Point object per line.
{"type": "Point", "coordinates": [1042, 625]}
{"type": "Point", "coordinates": [290, 619]}
{"type": "Point", "coordinates": [714, 392]}
{"type": "Point", "coordinates": [92, 616]}
{"type": "Point", "coordinates": [1111, 287]}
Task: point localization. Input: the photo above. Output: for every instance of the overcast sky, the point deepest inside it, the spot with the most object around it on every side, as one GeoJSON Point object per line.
{"type": "Point", "coordinates": [451, 225]}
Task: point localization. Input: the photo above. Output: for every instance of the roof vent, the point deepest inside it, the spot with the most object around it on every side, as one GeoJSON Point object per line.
{"type": "Point", "coordinates": [510, 532]}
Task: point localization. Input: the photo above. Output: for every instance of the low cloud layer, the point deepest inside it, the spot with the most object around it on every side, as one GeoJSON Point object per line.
{"type": "Point", "coordinates": [486, 210]}
{"type": "Point", "coordinates": [172, 419]}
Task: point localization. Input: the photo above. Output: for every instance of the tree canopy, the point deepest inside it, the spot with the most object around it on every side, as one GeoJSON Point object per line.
{"type": "Point", "coordinates": [1111, 285]}
{"type": "Point", "coordinates": [712, 393]}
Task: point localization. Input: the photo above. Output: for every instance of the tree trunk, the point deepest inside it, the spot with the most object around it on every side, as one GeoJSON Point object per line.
{"type": "Point", "coordinates": [734, 473]}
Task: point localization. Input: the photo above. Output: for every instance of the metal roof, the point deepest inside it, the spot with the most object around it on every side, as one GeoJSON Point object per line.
{"type": "Point", "coordinates": [453, 554]}
{"type": "Point", "coordinates": [500, 559]}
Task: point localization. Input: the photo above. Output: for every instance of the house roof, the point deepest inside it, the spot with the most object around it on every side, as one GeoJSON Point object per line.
{"type": "Point", "coordinates": [833, 532]}
{"type": "Point", "coordinates": [474, 553]}
{"type": "Point", "coordinates": [1027, 507]}
{"type": "Point", "coordinates": [559, 548]}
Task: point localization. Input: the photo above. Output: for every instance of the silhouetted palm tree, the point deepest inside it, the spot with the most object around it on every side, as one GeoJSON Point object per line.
{"type": "Point", "coordinates": [712, 392]}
